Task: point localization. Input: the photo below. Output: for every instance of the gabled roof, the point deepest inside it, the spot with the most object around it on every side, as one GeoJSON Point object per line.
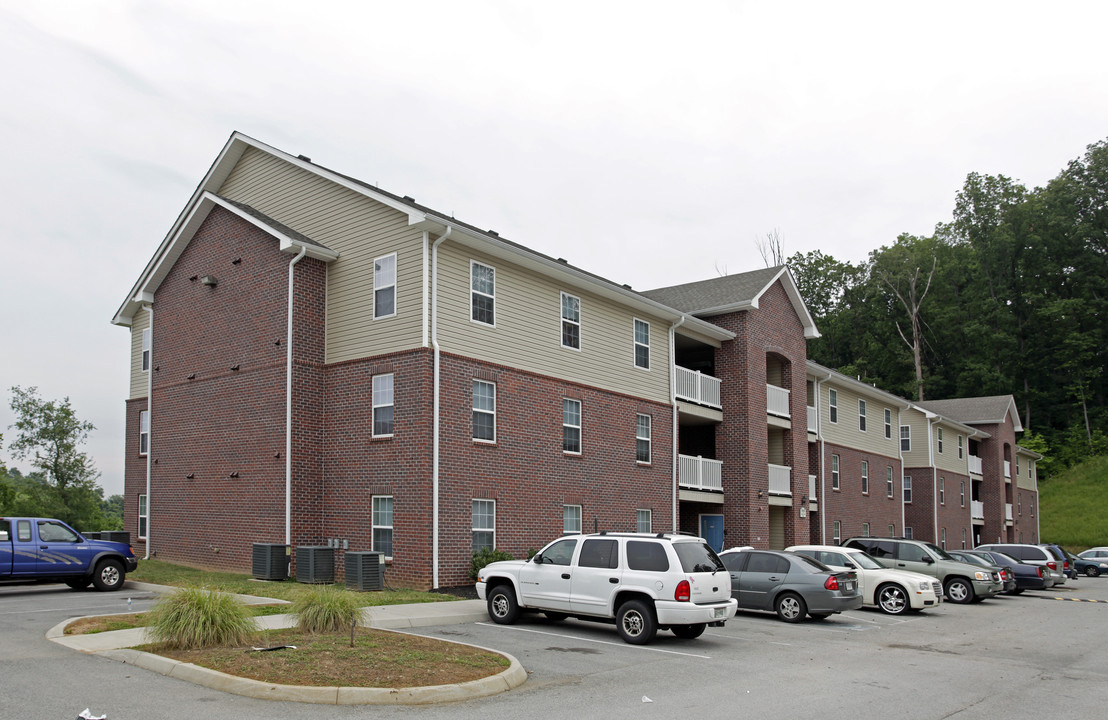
{"type": "Point", "coordinates": [989, 410]}
{"type": "Point", "coordinates": [734, 293]}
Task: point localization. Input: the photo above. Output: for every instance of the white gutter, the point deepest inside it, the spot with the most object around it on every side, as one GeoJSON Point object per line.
{"type": "Point", "coordinates": [150, 419]}
{"type": "Point", "coordinates": [288, 405]}
{"type": "Point", "coordinates": [435, 423]}
{"type": "Point", "coordinates": [900, 452]}
{"type": "Point", "coordinates": [676, 420]}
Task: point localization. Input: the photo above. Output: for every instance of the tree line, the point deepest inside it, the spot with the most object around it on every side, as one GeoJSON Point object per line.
{"type": "Point", "coordinates": [1009, 297]}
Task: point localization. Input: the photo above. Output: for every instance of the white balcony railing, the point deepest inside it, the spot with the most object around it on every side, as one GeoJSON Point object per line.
{"type": "Point", "coordinates": [813, 414]}
{"type": "Point", "coordinates": [1008, 512]}
{"type": "Point", "coordinates": [777, 401]}
{"type": "Point", "coordinates": [975, 464]}
{"type": "Point", "coordinates": [780, 480]}
{"type": "Point", "coordinates": [1007, 468]}
{"type": "Point", "coordinates": [977, 510]}
{"type": "Point", "coordinates": [699, 473]}
{"type": "Point", "coordinates": [695, 386]}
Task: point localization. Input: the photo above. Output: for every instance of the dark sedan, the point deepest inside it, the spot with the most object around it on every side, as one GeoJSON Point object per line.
{"type": "Point", "coordinates": [1028, 576]}
{"type": "Point", "coordinates": [789, 584]}
{"type": "Point", "coordinates": [1007, 576]}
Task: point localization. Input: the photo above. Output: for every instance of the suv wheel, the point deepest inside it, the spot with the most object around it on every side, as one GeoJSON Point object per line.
{"type": "Point", "coordinates": [790, 607]}
{"type": "Point", "coordinates": [959, 590]}
{"type": "Point", "coordinates": [636, 623]}
{"type": "Point", "coordinates": [892, 599]}
{"type": "Point", "coordinates": [503, 608]}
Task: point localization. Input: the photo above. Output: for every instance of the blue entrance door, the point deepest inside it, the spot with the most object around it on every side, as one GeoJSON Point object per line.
{"type": "Point", "coordinates": [711, 529]}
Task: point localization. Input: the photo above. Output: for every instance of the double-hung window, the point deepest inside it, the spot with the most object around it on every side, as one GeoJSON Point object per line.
{"type": "Point", "coordinates": [571, 321]}
{"type": "Point", "coordinates": [960, 449]}
{"type": "Point", "coordinates": [907, 488]}
{"type": "Point", "coordinates": [865, 529]}
{"type": "Point", "coordinates": [888, 424]}
{"type": "Point", "coordinates": [384, 287]}
{"type": "Point", "coordinates": [962, 494]}
{"type": "Point", "coordinates": [484, 411]}
{"type": "Point", "coordinates": [146, 340]}
{"type": "Point", "coordinates": [482, 281]}
{"type": "Point", "coordinates": [865, 477]}
{"type": "Point", "coordinates": [939, 438]}
{"type": "Point", "coordinates": [837, 532]}
{"type": "Point", "coordinates": [144, 432]}
{"type": "Point", "coordinates": [642, 438]}
{"type": "Point", "coordinates": [382, 524]}
{"type": "Point", "coordinates": [571, 519]}
{"type": "Point", "coordinates": [862, 415]}
{"type": "Point", "coordinates": [942, 491]}
{"type": "Point", "coordinates": [642, 521]}
{"type": "Point", "coordinates": [142, 516]}
{"type": "Point", "coordinates": [834, 472]}
{"type": "Point", "coordinates": [382, 405]}
{"type": "Point", "coordinates": [905, 438]}
{"type": "Point", "coordinates": [889, 480]}
{"type": "Point", "coordinates": [642, 344]}
{"type": "Point", "coordinates": [833, 405]}
{"type": "Point", "coordinates": [484, 525]}
{"type": "Point", "coordinates": [571, 426]}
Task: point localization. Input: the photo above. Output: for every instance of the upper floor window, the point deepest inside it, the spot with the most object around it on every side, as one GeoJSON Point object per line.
{"type": "Point", "coordinates": [382, 405]}
{"type": "Point", "coordinates": [888, 424]}
{"type": "Point", "coordinates": [642, 344]}
{"type": "Point", "coordinates": [889, 480]}
{"type": "Point", "coordinates": [482, 282]}
{"type": "Point", "coordinates": [962, 493]}
{"type": "Point", "coordinates": [1017, 467]}
{"type": "Point", "coordinates": [571, 426]}
{"type": "Point", "coordinates": [907, 488]}
{"type": "Point", "coordinates": [571, 321]}
{"type": "Point", "coordinates": [144, 432]}
{"type": "Point", "coordinates": [484, 411]}
{"type": "Point", "coordinates": [862, 415]}
{"type": "Point", "coordinates": [146, 340]}
{"type": "Point", "coordinates": [905, 438]}
{"type": "Point", "coordinates": [942, 491]}
{"type": "Point", "coordinates": [834, 472]}
{"type": "Point", "coordinates": [833, 405]}
{"type": "Point", "coordinates": [484, 525]}
{"type": "Point", "coordinates": [642, 438]}
{"type": "Point", "coordinates": [865, 477]}
{"type": "Point", "coordinates": [960, 448]}
{"type": "Point", "coordinates": [939, 438]}
{"type": "Point", "coordinates": [571, 519]}
{"type": "Point", "coordinates": [384, 286]}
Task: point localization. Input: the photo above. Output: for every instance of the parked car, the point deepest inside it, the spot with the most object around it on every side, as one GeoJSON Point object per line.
{"type": "Point", "coordinates": [1033, 554]}
{"type": "Point", "coordinates": [644, 582]}
{"type": "Point", "coordinates": [1060, 555]}
{"type": "Point", "coordinates": [891, 591]}
{"type": "Point", "coordinates": [1094, 553]}
{"type": "Point", "coordinates": [962, 583]}
{"type": "Point", "coordinates": [1092, 566]}
{"type": "Point", "coordinates": [1007, 575]}
{"type": "Point", "coordinates": [789, 584]}
{"type": "Point", "coordinates": [1028, 576]}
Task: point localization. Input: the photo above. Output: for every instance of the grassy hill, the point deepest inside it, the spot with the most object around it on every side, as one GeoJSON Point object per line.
{"type": "Point", "coordinates": [1074, 505]}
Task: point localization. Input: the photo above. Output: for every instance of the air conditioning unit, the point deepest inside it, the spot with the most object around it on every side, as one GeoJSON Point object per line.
{"type": "Point", "coordinates": [270, 561]}
{"type": "Point", "coordinates": [121, 536]}
{"type": "Point", "coordinates": [91, 535]}
{"type": "Point", "coordinates": [315, 564]}
{"type": "Point", "coordinates": [365, 571]}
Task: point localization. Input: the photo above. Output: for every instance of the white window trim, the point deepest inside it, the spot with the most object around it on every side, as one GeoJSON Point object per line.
{"type": "Point", "coordinates": [649, 520]}
{"type": "Point", "coordinates": [865, 477]}
{"type": "Point", "coordinates": [636, 344]}
{"type": "Point", "coordinates": [865, 529]}
{"type": "Point", "coordinates": [833, 406]}
{"type": "Point", "coordinates": [836, 532]}
{"type": "Point", "coordinates": [374, 526]}
{"type": "Point", "coordinates": [144, 432]}
{"type": "Point", "coordinates": [580, 519]}
{"type": "Point", "coordinates": [962, 493]}
{"type": "Point", "coordinates": [960, 448]}
{"type": "Point", "coordinates": [377, 287]}
{"type": "Point", "coordinates": [906, 489]}
{"type": "Point", "coordinates": [375, 405]}
{"type": "Point", "coordinates": [939, 439]}
{"type": "Point", "coordinates": [472, 264]}
{"type": "Point", "coordinates": [942, 491]}
{"type": "Point", "coordinates": [487, 412]}
{"type": "Point", "coordinates": [565, 320]}
{"type": "Point", "coordinates": [143, 514]}
{"type": "Point", "coordinates": [647, 439]}
{"type": "Point", "coordinates": [889, 481]}
{"type": "Point", "coordinates": [834, 471]}
{"type": "Point", "coordinates": [580, 422]}
{"type": "Point", "coordinates": [888, 424]}
{"type": "Point", "coordinates": [862, 421]}
{"type": "Point", "coordinates": [147, 340]}
{"type": "Point", "coordinates": [473, 521]}
{"type": "Point", "coordinates": [904, 437]}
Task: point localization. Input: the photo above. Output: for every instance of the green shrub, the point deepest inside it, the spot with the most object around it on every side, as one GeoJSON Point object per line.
{"type": "Point", "coordinates": [194, 618]}
{"type": "Point", "coordinates": [483, 557]}
{"type": "Point", "coordinates": [326, 608]}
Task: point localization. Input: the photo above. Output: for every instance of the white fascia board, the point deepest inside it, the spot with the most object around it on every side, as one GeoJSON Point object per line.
{"type": "Point", "coordinates": [828, 375]}
{"type": "Point", "coordinates": [954, 424]}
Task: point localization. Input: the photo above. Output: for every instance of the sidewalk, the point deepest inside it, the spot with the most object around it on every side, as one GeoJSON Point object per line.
{"type": "Point", "coordinates": [114, 644]}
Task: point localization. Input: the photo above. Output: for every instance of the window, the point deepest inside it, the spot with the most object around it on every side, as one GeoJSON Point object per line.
{"type": "Point", "coordinates": [862, 415]}
{"type": "Point", "coordinates": [146, 349]}
{"type": "Point", "coordinates": [905, 438]}
{"type": "Point", "coordinates": [837, 533]}
{"type": "Point", "coordinates": [642, 438]}
{"type": "Point", "coordinates": [892, 530]}
{"type": "Point", "coordinates": [865, 529]}
{"type": "Point", "coordinates": [484, 411]}
{"type": "Point", "coordinates": [1017, 467]}
{"type": "Point", "coordinates": [939, 435]}
{"type": "Point", "coordinates": [942, 541]}
{"type": "Point", "coordinates": [384, 287]}
{"type": "Point", "coordinates": [382, 405]}
{"type": "Point", "coordinates": [865, 477]}
{"type": "Point", "coordinates": [834, 472]}
{"type": "Point", "coordinates": [648, 556]}
{"type": "Point", "coordinates": [142, 516]}
{"type": "Point", "coordinates": [382, 524]}
{"type": "Point", "coordinates": [908, 533]}
{"type": "Point", "coordinates": [889, 480]}
{"type": "Point", "coordinates": [482, 282]}
{"type": "Point", "coordinates": [571, 426]}
{"type": "Point", "coordinates": [942, 491]}
{"type": "Point", "coordinates": [642, 344]}
{"type": "Point", "coordinates": [642, 521]}
{"type": "Point", "coordinates": [598, 553]}
{"type": "Point", "coordinates": [484, 525]}
{"type": "Point", "coordinates": [962, 493]}
{"type": "Point", "coordinates": [571, 321]}
{"type": "Point", "coordinates": [571, 518]}
{"type": "Point", "coordinates": [1031, 504]}
{"type": "Point", "coordinates": [888, 424]}
{"type": "Point", "coordinates": [1019, 503]}
{"type": "Point", "coordinates": [960, 448]}
{"type": "Point", "coordinates": [23, 530]}
{"type": "Point", "coordinates": [964, 538]}
{"type": "Point", "coordinates": [144, 432]}
{"type": "Point", "coordinates": [560, 553]}
{"type": "Point", "coordinates": [833, 405]}
{"type": "Point", "coordinates": [907, 488]}
{"type": "Point", "coordinates": [55, 532]}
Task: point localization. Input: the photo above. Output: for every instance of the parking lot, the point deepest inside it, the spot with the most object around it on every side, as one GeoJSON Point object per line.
{"type": "Point", "coordinates": [1027, 656]}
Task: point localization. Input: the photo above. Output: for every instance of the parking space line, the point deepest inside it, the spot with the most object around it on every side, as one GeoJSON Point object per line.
{"type": "Point", "coordinates": [599, 642]}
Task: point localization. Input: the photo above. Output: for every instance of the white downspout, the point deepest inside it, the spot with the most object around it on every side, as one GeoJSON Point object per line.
{"type": "Point", "coordinates": [934, 481]}
{"type": "Point", "coordinates": [426, 285]}
{"type": "Point", "coordinates": [676, 421]}
{"type": "Point", "coordinates": [288, 405]}
{"type": "Point", "coordinates": [435, 422]}
{"type": "Point", "coordinates": [822, 456]}
{"type": "Point", "coordinates": [150, 419]}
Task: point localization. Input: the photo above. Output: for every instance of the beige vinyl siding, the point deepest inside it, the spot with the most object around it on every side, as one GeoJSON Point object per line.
{"type": "Point", "coordinates": [846, 433]}
{"type": "Point", "coordinates": [1025, 480]}
{"type": "Point", "coordinates": [139, 379]}
{"type": "Point", "coordinates": [527, 332]}
{"type": "Point", "coordinates": [360, 230]}
{"type": "Point", "coordinates": [918, 456]}
{"type": "Point", "coordinates": [948, 460]}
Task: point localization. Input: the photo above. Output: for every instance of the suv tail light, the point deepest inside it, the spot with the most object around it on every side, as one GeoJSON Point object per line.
{"type": "Point", "coordinates": [1003, 574]}
{"type": "Point", "coordinates": [1052, 565]}
{"type": "Point", "coordinates": [1066, 565]}
{"type": "Point", "coordinates": [683, 591]}
{"type": "Point", "coordinates": [832, 583]}
{"type": "Point", "coordinates": [1039, 569]}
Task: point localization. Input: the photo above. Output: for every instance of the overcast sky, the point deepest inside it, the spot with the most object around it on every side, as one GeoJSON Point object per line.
{"type": "Point", "coordinates": [653, 143]}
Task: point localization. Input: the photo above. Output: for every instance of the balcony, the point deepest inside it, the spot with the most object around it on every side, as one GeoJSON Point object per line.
{"type": "Point", "coordinates": [777, 401]}
{"type": "Point", "coordinates": [975, 464]}
{"type": "Point", "coordinates": [1008, 513]}
{"type": "Point", "coordinates": [780, 480]}
{"type": "Point", "coordinates": [697, 473]}
{"type": "Point", "coordinates": [813, 422]}
{"type": "Point", "coordinates": [977, 510]}
{"type": "Point", "coordinates": [696, 387]}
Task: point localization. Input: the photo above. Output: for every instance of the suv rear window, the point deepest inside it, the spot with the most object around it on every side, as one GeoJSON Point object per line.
{"type": "Point", "coordinates": [697, 557]}
{"type": "Point", "coordinates": [649, 556]}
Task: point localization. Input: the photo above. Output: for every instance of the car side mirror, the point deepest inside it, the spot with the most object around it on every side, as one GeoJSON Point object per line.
{"type": "Point", "coordinates": [850, 565]}
{"type": "Point", "coordinates": [927, 559]}
{"type": "Point", "coordinates": [537, 559]}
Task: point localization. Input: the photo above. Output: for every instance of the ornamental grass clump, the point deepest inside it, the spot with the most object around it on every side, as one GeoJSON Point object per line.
{"type": "Point", "coordinates": [327, 608]}
{"type": "Point", "coordinates": [193, 618]}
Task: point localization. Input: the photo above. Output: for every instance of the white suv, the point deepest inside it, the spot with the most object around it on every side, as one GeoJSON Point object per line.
{"type": "Point", "coordinates": [645, 582]}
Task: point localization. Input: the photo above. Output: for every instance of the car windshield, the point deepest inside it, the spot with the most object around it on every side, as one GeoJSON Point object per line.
{"type": "Point", "coordinates": [943, 554]}
{"type": "Point", "coordinates": [972, 559]}
{"type": "Point", "coordinates": [865, 561]}
{"type": "Point", "coordinates": [813, 564]}
{"type": "Point", "coordinates": [697, 557]}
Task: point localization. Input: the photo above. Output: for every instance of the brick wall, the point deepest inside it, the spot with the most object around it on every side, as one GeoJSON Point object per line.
{"type": "Point", "coordinates": [849, 505]}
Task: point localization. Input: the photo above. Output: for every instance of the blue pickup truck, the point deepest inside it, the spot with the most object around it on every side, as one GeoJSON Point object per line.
{"type": "Point", "coordinates": [47, 550]}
